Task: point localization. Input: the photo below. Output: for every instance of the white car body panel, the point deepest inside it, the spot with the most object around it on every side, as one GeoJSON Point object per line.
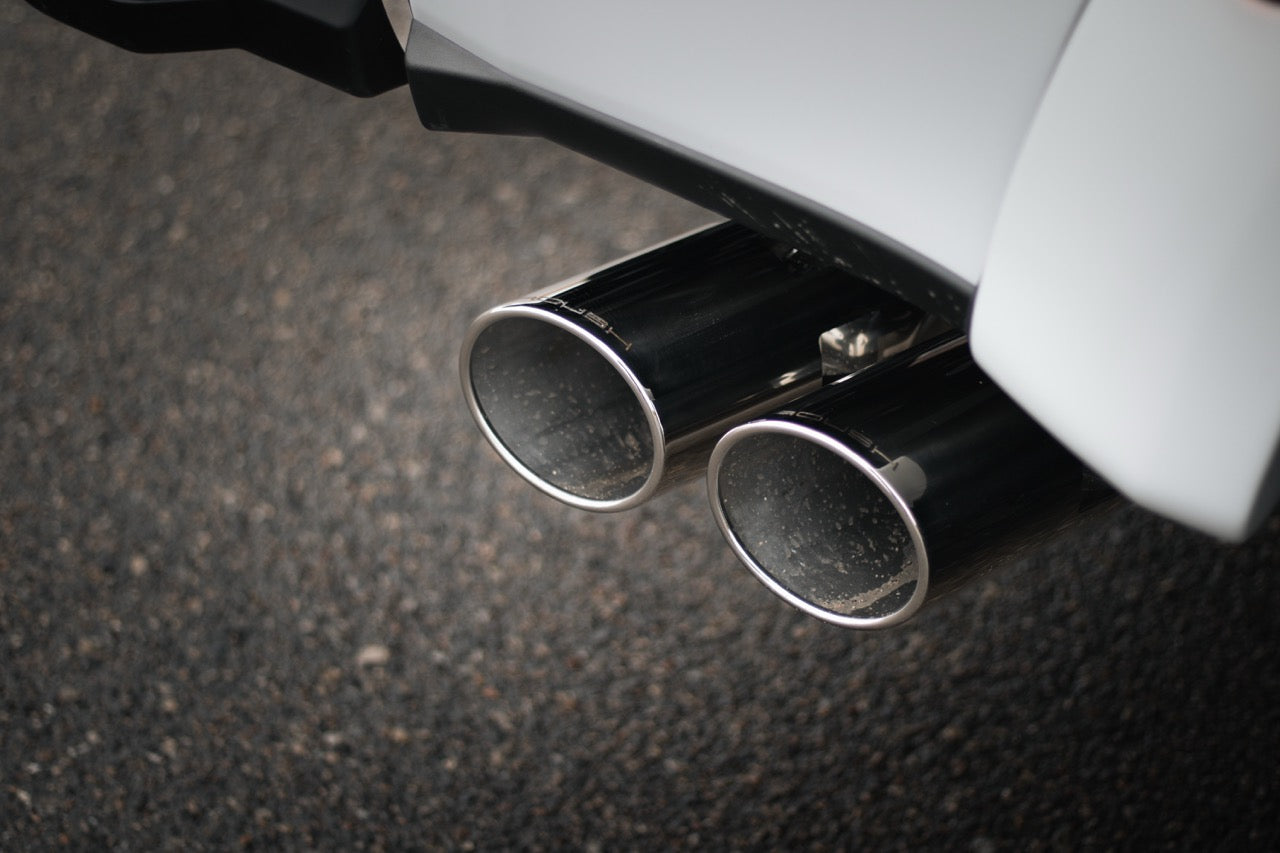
{"type": "Point", "coordinates": [1106, 178]}
{"type": "Point", "coordinates": [1130, 299]}
{"type": "Point", "coordinates": [904, 116]}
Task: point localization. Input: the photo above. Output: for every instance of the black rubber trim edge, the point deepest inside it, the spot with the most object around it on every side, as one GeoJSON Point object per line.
{"type": "Point", "coordinates": [348, 44]}
{"type": "Point", "coordinates": [455, 90]}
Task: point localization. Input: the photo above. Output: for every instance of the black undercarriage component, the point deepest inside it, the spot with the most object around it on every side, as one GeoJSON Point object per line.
{"type": "Point", "coordinates": [348, 44]}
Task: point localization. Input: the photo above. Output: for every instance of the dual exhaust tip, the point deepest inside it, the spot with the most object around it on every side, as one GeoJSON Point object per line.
{"type": "Point", "coordinates": [856, 499]}
{"type": "Point", "coordinates": [818, 524]}
{"type": "Point", "coordinates": [606, 390]}
{"type": "Point", "coordinates": [564, 409]}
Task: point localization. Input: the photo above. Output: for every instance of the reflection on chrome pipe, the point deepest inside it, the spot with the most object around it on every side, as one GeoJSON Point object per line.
{"type": "Point", "coordinates": [874, 337]}
{"type": "Point", "coordinates": [606, 389]}
{"type": "Point", "coordinates": [893, 486]}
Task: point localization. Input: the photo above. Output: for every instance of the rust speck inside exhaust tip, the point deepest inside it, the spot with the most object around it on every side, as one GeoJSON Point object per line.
{"type": "Point", "coordinates": [817, 529]}
{"type": "Point", "coordinates": [560, 410]}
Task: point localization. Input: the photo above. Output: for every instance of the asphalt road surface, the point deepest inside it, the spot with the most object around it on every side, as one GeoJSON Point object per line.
{"type": "Point", "coordinates": [262, 584]}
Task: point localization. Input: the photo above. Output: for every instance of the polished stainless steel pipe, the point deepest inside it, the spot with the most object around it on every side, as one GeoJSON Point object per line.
{"type": "Point", "coordinates": [604, 390]}
{"type": "Point", "coordinates": [864, 500]}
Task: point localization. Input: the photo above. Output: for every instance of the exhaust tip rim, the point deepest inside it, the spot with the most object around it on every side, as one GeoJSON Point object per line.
{"type": "Point", "coordinates": [826, 441]}
{"type": "Point", "coordinates": [536, 311]}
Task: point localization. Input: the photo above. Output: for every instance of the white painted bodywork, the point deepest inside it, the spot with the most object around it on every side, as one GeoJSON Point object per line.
{"type": "Point", "coordinates": [1130, 298]}
{"type": "Point", "coordinates": [1111, 188]}
{"type": "Point", "coordinates": [903, 115]}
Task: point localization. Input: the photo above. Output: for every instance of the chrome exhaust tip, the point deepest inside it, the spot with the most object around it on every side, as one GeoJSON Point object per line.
{"type": "Point", "coordinates": [885, 490]}
{"type": "Point", "coordinates": [819, 524]}
{"type": "Point", "coordinates": [563, 408]}
{"type": "Point", "coordinates": [604, 391]}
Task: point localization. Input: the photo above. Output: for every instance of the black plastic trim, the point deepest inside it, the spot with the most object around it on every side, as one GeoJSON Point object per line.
{"type": "Point", "coordinates": [348, 44]}
{"type": "Point", "coordinates": [455, 90]}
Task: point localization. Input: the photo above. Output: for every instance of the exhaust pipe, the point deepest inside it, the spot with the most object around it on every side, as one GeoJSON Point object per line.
{"type": "Point", "coordinates": [891, 487]}
{"type": "Point", "coordinates": [609, 388]}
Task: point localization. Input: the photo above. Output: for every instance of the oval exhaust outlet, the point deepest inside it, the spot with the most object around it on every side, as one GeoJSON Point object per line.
{"type": "Point", "coordinates": [606, 390]}
{"type": "Point", "coordinates": [880, 492]}
{"type": "Point", "coordinates": [563, 409]}
{"type": "Point", "coordinates": [819, 525]}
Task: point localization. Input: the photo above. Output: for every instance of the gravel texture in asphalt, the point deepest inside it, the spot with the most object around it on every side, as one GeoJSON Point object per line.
{"type": "Point", "coordinates": [263, 585]}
